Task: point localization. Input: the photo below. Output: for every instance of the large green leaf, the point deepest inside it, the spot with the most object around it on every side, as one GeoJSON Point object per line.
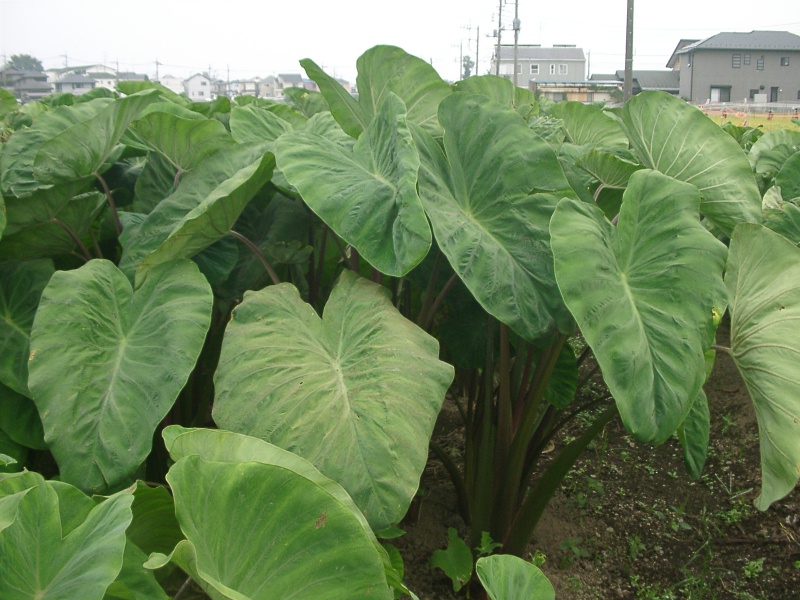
{"type": "Point", "coordinates": [211, 220]}
{"type": "Point", "coordinates": [256, 125]}
{"type": "Point", "coordinates": [84, 149]}
{"type": "Point", "coordinates": [589, 125]}
{"type": "Point", "coordinates": [788, 178]}
{"type": "Point", "coordinates": [183, 142]}
{"type": "Point", "coordinates": [20, 420]}
{"type": "Point", "coordinates": [207, 201]}
{"type": "Point", "coordinates": [772, 149]}
{"type": "Point", "coordinates": [501, 90]}
{"type": "Point", "coordinates": [507, 577]}
{"type": "Point", "coordinates": [671, 136]}
{"type": "Point", "coordinates": [643, 295]}
{"type": "Point", "coordinates": [134, 582]}
{"type": "Point", "coordinates": [261, 531]}
{"type": "Point", "coordinates": [609, 169]}
{"type": "Point", "coordinates": [784, 218]}
{"type": "Point", "coordinates": [40, 561]}
{"type": "Point", "coordinates": [106, 363]}
{"type": "Point", "coordinates": [154, 527]}
{"type": "Point", "coordinates": [763, 278]}
{"type": "Point", "coordinates": [486, 214]}
{"type": "Point", "coordinates": [21, 285]}
{"type": "Point", "coordinates": [18, 154]}
{"type": "Point", "coordinates": [383, 70]}
{"type": "Point", "coordinates": [42, 225]}
{"type": "Point", "coordinates": [356, 393]}
{"type": "Point", "coordinates": [367, 195]}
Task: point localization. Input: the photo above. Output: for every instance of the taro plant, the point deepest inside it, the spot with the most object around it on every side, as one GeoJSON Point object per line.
{"type": "Point", "coordinates": [228, 328]}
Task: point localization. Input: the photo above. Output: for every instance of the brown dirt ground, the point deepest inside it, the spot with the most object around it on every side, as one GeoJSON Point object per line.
{"type": "Point", "coordinates": [629, 522]}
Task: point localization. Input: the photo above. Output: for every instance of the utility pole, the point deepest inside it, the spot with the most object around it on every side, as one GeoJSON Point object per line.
{"type": "Point", "coordinates": [499, 33]}
{"type": "Point", "coordinates": [157, 65]}
{"type": "Point", "coordinates": [516, 25]}
{"type": "Point", "coordinates": [477, 49]}
{"type": "Point", "coordinates": [627, 90]}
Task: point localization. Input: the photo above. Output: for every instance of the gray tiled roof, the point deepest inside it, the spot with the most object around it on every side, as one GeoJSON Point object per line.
{"type": "Point", "coordinates": [654, 80]}
{"type": "Point", "coordinates": [72, 78]}
{"type": "Point", "coordinates": [754, 40]}
{"type": "Point", "coordinates": [538, 53]}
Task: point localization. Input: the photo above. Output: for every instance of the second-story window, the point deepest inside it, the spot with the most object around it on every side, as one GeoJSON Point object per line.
{"type": "Point", "coordinates": [760, 63]}
{"type": "Point", "coordinates": [562, 69]}
{"type": "Point", "coordinates": [535, 69]}
{"type": "Point", "coordinates": [784, 61]}
{"type": "Point", "coordinates": [736, 61]}
{"type": "Point", "coordinates": [747, 59]}
{"type": "Point", "coordinates": [203, 82]}
{"type": "Point", "coordinates": [552, 69]}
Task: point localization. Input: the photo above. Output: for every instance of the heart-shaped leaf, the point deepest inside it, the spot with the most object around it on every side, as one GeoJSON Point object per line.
{"type": "Point", "coordinates": [507, 577]}
{"type": "Point", "coordinates": [673, 137]}
{"type": "Point", "coordinates": [763, 278]}
{"type": "Point", "coordinates": [106, 363]}
{"type": "Point", "coordinates": [352, 392]}
{"type": "Point", "coordinates": [40, 560]}
{"type": "Point", "coordinates": [21, 286]}
{"type": "Point", "coordinates": [367, 194]}
{"type": "Point", "coordinates": [383, 70]}
{"type": "Point", "coordinates": [486, 215]}
{"type": "Point", "coordinates": [84, 149]}
{"type": "Point", "coordinates": [589, 125]}
{"type": "Point", "coordinates": [18, 154]}
{"type": "Point", "coordinates": [203, 208]}
{"type": "Point", "coordinates": [260, 531]}
{"type": "Point", "coordinates": [643, 296]}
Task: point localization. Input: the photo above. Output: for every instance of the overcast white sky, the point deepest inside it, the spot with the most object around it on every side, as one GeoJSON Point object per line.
{"type": "Point", "coordinates": [266, 37]}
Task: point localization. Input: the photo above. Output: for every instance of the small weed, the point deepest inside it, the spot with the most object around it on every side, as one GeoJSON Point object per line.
{"type": "Point", "coordinates": [727, 423]}
{"type": "Point", "coordinates": [635, 547]}
{"type": "Point", "coordinates": [650, 592]}
{"type": "Point", "coordinates": [538, 558]}
{"type": "Point", "coordinates": [571, 551]}
{"type": "Point", "coordinates": [797, 564]}
{"type": "Point", "coordinates": [753, 568]}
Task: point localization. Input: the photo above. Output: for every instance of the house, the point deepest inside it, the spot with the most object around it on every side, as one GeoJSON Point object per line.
{"type": "Point", "coordinates": [74, 84]}
{"type": "Point", "coordinates": [103, 79]}
{"type": "Point", "coordinates": [172, 83]}
{"type": "Point", "coordinates": [198, 87]}
{"type": "Point", "coordinates": [25, 85]}
{"type": "Point", "coordinates": [561, 63]}
{"type": "Point", "coordinates": [759, 66]}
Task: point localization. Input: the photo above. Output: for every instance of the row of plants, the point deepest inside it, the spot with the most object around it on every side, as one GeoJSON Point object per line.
{"type": "Point", "coordinates": [229, 327]}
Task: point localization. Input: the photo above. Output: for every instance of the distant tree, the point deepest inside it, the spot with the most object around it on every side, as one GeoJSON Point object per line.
{"type": "Point", "coordinates": [24, 62]}
{"type": "Point", "coordinates": [466, 67]}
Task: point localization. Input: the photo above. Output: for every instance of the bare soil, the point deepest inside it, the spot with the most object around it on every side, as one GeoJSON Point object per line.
{"type": "Point", "coordinates": [630, 523]}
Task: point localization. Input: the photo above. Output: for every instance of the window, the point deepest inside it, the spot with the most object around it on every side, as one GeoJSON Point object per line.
{"type": "Point", "coordinates": [203, 82]}
{"type": "Point", "coordinates": [552, 69]}
{"type": "Point", "coordinates": [784, 61]}
{"type": "Point", "coordinates": [753, 93]}
{"type": "Point", "coordinates": [798, 94]}
{"type": "Point", "coordinates": [747, 59]}
{"type": "Point", "coordinates": [535, 69]}
{"type": "Point", "coordinates": [562, 69]}
{"type": "Point", "coordinates": [760, 63]}
{"type": "Point", "coordinates": [201, 93]}
{"type": "Point", "coordinates": [736, 61]}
